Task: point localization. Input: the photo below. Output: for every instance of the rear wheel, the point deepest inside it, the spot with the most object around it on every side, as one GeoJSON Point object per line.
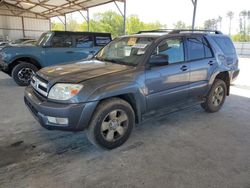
{"type": "Point", "coordinates": [111, 124]}
{"type": "Point", "coordinates": [22, 73]}
{"type": "Point", "coordinates": [216, 96]}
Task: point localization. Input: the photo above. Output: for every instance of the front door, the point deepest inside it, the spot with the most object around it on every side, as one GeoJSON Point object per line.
{"type": "Point", "coordinates": [167, 83]}
{"type": "Point", "coordinates": [61, 50]}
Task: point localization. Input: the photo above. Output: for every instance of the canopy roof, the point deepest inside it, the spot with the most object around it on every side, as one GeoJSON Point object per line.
{"type": "Point", "coordinates": [52, 8]}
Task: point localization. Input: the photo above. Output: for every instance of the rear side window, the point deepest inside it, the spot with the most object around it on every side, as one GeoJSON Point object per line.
{"type": "Point", "coordinates": [62, 41]}
{"type": "Point", "coordinates": [225, 44]}
{"type": "Point", "coordinates": [84, 41]}
{"type": "Point", "coordinates": [198, 48]}
{"type": "Point", "coordinates": [102, 40]}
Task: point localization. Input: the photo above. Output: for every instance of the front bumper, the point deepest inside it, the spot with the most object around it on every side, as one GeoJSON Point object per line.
{"type": "Point", "coordinates": [78, 115]}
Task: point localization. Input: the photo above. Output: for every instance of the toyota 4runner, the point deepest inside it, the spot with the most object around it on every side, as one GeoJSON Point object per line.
{"type": "Point", "coordinates": [131, 77]}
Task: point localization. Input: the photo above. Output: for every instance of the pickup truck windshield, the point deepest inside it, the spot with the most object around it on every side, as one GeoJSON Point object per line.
{"type": "Point", "coordinates": [126, 50]}
{"type": "Point", "coordinates": [43, 39]}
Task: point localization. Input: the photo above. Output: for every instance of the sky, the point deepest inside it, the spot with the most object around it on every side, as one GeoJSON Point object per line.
{"type": "Point", "coordinates": [170, 11]}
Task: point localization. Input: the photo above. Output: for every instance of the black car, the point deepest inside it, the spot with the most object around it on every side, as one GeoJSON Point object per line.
{"type": "Point", "coordinates": [131, 77]}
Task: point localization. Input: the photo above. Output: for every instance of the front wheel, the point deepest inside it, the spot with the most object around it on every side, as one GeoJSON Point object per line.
{"type": "Point", "coordinates": [22, 73]}
{"type": "Point", "coordinates": [111, 123]}
{"type": "Point", "coordinates": [216, 97]}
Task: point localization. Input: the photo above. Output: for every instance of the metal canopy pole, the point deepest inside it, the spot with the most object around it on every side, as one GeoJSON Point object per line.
{"type": "Point", "coordinates": [194, 13]}
{"type": "Point", "coordinates": [86, 18]}
{"type": "Point", "coordinates": [124, 17]}
{"type": "Point", "coordinates": [123, 14]}
{"type": "Point", "coordinates": [65, 21]}
{"type": "Point", "coordinates": [23, 29]}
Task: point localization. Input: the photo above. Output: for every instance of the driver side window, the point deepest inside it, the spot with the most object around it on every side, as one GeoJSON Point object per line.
{"type": "Point", "coordinates": [171, 49]}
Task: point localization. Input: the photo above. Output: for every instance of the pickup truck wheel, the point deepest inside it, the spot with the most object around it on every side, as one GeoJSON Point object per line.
{"type": "Point", "coordinates": [111, 124]}
{"type": "Point", "coordinates": [216, 97]}
{"type": "Point", "coordinates": [22, 73]}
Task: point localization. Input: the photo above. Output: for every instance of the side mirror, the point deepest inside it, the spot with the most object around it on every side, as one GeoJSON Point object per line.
{"type": "Point", "coordinates": [158, 60]}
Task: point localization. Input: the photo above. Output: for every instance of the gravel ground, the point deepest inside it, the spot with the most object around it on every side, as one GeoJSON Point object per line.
{"type": "Point", "coordinates": [189, 148]}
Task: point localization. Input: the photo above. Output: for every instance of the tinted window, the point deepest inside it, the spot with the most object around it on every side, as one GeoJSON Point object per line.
{"type": "Point", "coordinates": [208, 51]}
{"type": "Point", "coordinates": [83, 41]}
{"type": "Point", "coordinates": [102, 41]}
{"type": "Point", "coordinates": [61, 41]}
{"type": "Point", "coordinates": [225, 44]}
{"type": "Point", "coordinates": [195, 48]}
{"type": "Point", "coordinates": [172, 49]}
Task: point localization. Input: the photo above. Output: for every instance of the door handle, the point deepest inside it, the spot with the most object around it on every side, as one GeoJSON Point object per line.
{"type": "Point", "coordinates": [92, 52]}
{"type": "Point", "coordinates": [211, 63]}
{"type": "Point", "coordinates": [70, 52]}
{"type": "Point", "coordinates": [184, 68]}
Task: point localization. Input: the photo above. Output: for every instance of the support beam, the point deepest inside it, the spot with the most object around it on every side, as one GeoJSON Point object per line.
{"type": "Point", "coordinates": [194, 12]}
{"type": "Point", "coordinates": [124, 13]}
{"type": "Point", "coordinates": [65, 22]}
{"type": "Point", "coordinates": [125, 16]}
{"type": "Point", "coordinates": [50, 25]}
{"type": "Point", "coordinates": [23, 29]}
{"type": "Point", "coordinates": [86, 18]}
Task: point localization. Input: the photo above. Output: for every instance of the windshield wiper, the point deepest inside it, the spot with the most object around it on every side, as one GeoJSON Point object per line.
{"type": "Point", "coordinates": [116, 61]}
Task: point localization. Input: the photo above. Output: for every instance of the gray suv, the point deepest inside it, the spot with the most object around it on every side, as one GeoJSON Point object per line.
{"type": "Point", "coordinates": [131, 77]}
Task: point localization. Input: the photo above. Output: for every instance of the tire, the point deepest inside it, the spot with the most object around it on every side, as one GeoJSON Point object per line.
{"type": "Point", "coordinates": [113, 117]}
{"type": "Point", "coordinates": [214, 101]}
{"type": "Point", "coordinates": [27, 68]}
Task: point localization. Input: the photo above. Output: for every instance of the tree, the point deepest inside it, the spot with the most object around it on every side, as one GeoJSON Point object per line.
{"type": "Point", "coordinates": [230, 15]}
{"type": "Point", "coordinates": [210, 24]}
{"type": "Point", "coordinates": [243, 20]}
{"type": "Point", "coordinates": [180, 25]}
{"type": "Point", "coordinates": [109, 21]}
{"type": "Point", "coordinates": [219, 20]}
{"type": "Point", "coordinates": [134, 24]}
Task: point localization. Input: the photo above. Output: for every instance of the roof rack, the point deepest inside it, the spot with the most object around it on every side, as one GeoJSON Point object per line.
{"type": "Point", "coordinates": [177, 31]}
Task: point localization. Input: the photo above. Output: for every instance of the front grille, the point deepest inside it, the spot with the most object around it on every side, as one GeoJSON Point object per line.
{"type": "Point", "coordinates": [40, 86]}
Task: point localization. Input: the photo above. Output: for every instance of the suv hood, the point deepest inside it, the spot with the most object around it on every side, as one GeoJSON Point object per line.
{"type": "Point", "coordinates": [80, 71]}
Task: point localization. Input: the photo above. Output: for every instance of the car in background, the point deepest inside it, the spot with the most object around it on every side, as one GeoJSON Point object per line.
{"type": "Point", "coordinates": [3, 44]}
{"type": "Point", "coordinates": [132, 78]}
{"type": "Point", "coordinates": [52, 48]}
{"type": "Point", "coordinates": [20, 41]}
{"type": "Point", "coordinates": [29, 42]}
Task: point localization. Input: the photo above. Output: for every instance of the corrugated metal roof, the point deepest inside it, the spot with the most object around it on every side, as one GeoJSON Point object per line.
{"type": "Point", "coordinates": [51, 8]}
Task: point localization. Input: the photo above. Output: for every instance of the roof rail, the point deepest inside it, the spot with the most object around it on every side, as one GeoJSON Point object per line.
{"type": "Point", "coordinates": [176, 31]}
{"type": "Point", "coordinates": [156, 31]}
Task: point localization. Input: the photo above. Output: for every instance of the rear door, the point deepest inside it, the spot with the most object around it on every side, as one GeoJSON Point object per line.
{"type": "Point", "coordinates": [168, 84]}
{"type": "Point", "coordinates": [202, 64]}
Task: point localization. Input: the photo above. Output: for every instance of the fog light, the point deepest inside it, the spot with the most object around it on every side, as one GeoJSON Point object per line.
{"type": "Point", "coordinates": [57, 120]}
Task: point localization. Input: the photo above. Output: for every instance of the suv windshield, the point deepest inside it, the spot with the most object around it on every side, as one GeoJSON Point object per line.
{"type": "Point", "coordinates": [44, 38]}
{"type": "Point", "coordinates": [126, 50]}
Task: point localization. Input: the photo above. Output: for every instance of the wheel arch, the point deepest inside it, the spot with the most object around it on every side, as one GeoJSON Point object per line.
{"type": "Point", "coordinates": [226, 78]}
{"type": "Point", "coordinates": [24, 59]}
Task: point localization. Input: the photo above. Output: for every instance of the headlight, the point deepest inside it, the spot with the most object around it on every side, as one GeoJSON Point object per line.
{"type": "Point", "coordinates": [64, 91]}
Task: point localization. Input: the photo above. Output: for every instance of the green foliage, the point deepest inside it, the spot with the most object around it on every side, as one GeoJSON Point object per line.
{"type": "Point", "coordinates": [180, 25]}
{"type": "Point", "coordinates": [57, 26]}
{"type": "Point", "coordinates": [109, 21]}
{"type": "Point", "coordinates": [240, 37]}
